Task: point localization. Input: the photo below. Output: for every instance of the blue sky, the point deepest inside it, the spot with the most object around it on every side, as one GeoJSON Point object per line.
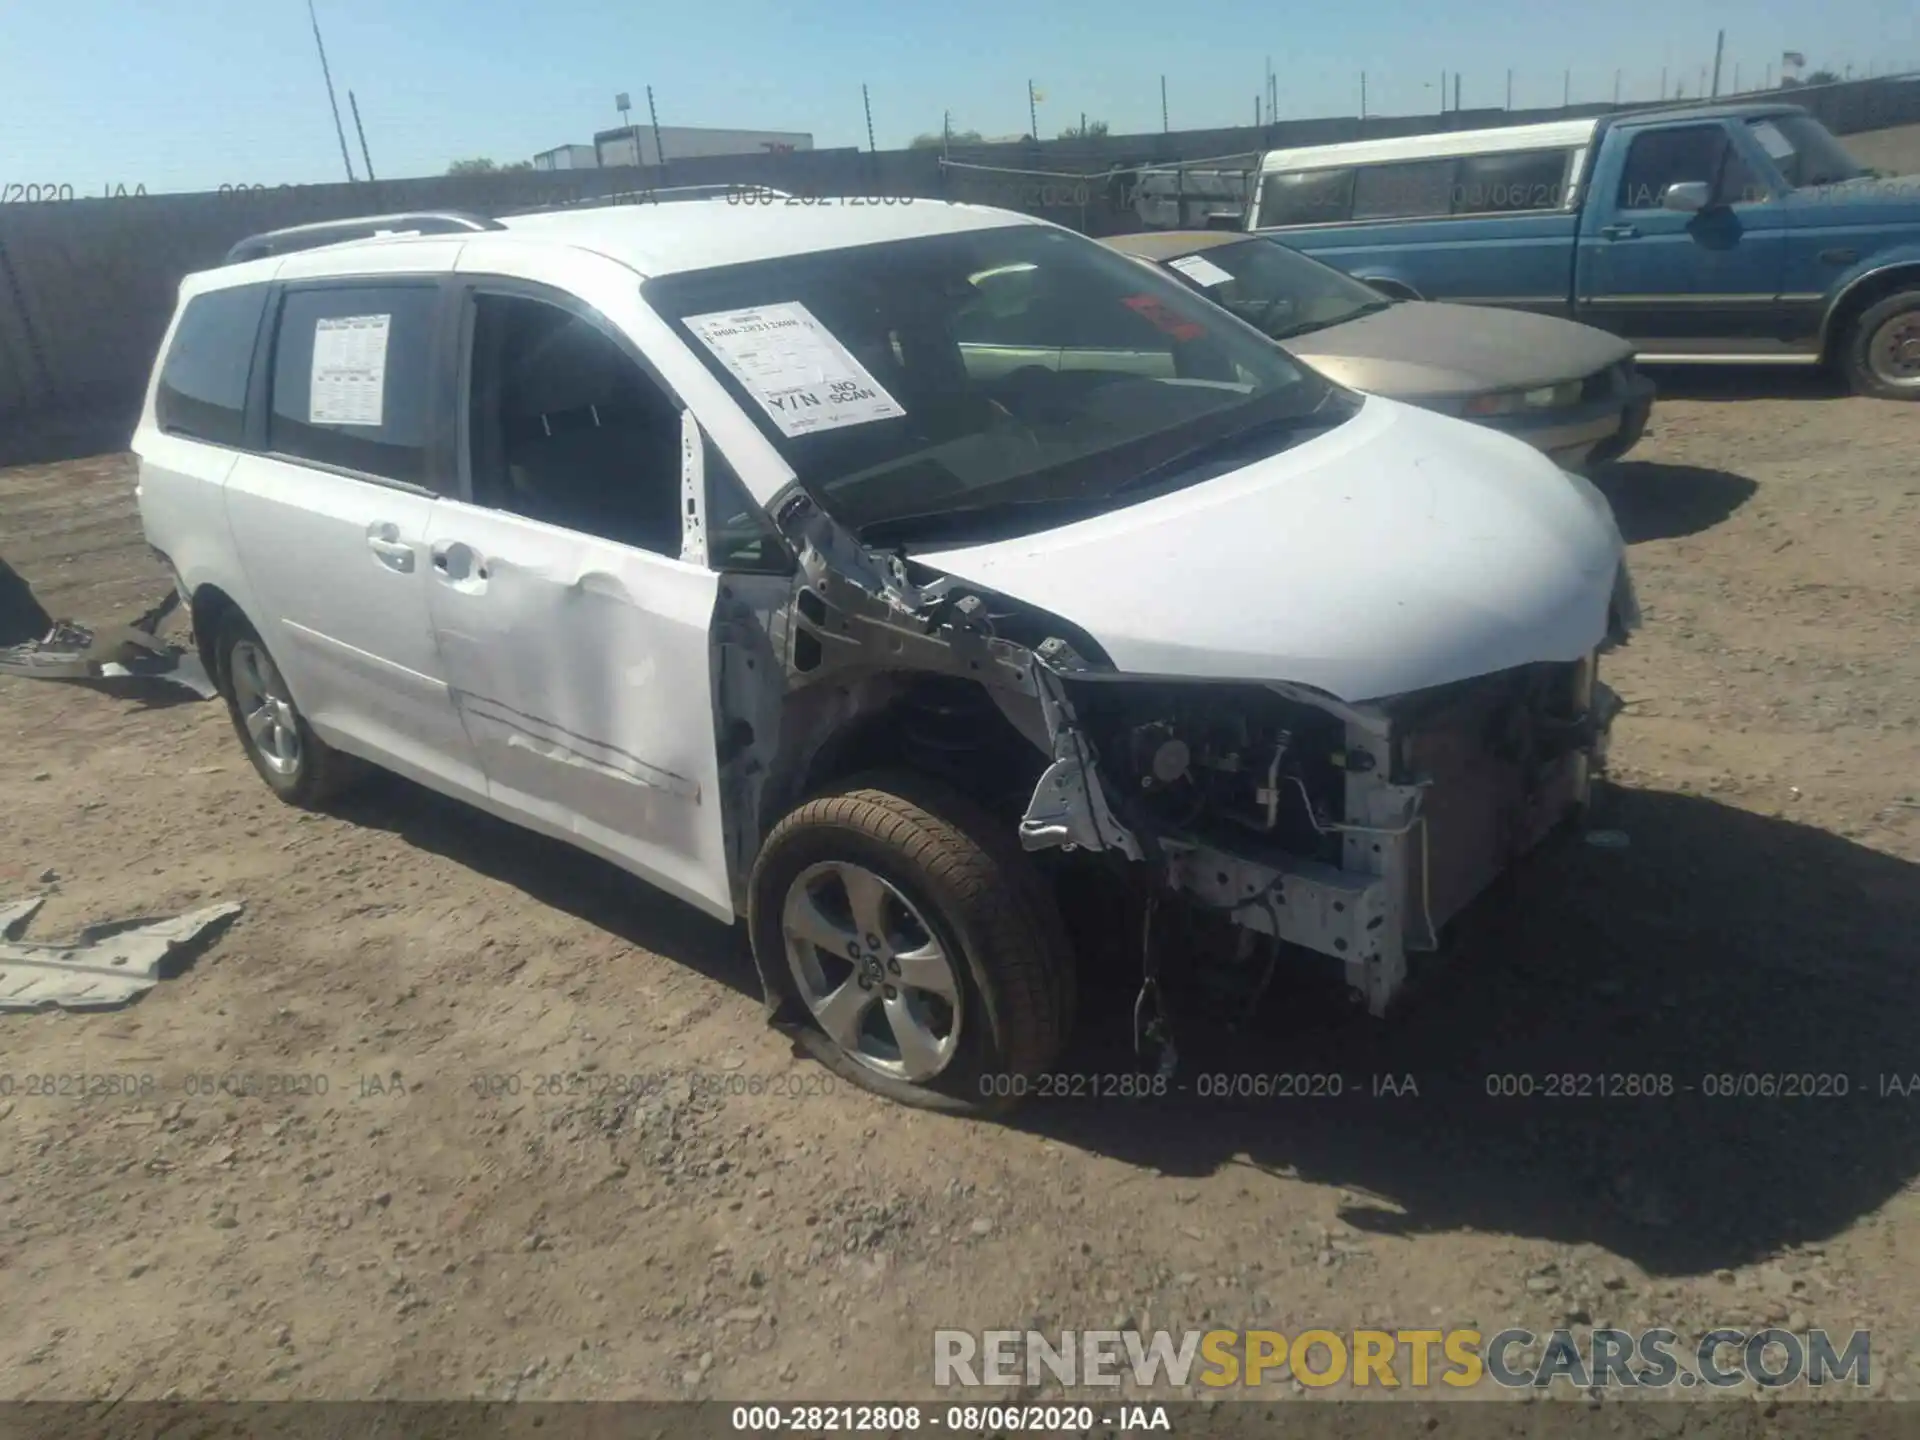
{"type": "Point", "coordinates": [179, 97]}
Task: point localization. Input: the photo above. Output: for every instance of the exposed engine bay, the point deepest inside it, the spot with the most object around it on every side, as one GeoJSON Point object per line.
{"type": "Point", "coordinates": [1271, 818]}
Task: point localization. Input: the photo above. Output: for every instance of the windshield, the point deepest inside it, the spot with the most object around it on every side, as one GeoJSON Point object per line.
{"type": "Point", "coordinates": [1275, 289]}
{"type": "Point", "coordinates": [915, 384]}
{"type": "Point", "coordinates": [1804, 152]}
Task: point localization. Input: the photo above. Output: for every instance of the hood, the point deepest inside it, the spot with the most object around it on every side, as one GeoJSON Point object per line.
{"type": "Point", "coordinates": [1867, 199]}
{"type": "Point", "coordinates": [1399, 551]}
{"type": "Point", "coordinates": [1420, 349]}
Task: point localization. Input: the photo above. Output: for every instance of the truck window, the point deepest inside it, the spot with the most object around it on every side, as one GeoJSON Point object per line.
{"type": "Point", "coordinates": [1306, 197]}
{"type": "Point", "coordinates": [1805, 151]}
{"type": "Point", "coordinates": [1389, 192]}
{"type": "Point", "coordinates": [203, 385]}
{"type": "Point", "coordinates": [1686, 154]}
{"type": "Point", "coordinates": [1516, 180]}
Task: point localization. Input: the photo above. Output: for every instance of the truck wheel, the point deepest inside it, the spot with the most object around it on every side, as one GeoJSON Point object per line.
{"type": "Point", "coordinates": [1882, 355]}
{"type": "Point", "coordinates": [299, 767]}
{"type": "Point", "coordinates": [920, 940]}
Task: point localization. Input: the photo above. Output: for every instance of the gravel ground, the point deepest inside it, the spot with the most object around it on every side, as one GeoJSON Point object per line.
{"type": "Point", "coordinates": [444, 1221]}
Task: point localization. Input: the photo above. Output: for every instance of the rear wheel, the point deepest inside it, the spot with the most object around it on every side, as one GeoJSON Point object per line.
{"type": "Point", "coordinates": [300, 767]}
{"type": "Point", "coordinates": [919, 939]}
{"type": "Point", "coordinates": [1882, 355]}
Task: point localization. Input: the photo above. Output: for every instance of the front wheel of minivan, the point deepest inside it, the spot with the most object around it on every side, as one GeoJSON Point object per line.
{"type": "Point", "coordinates": [917, 936]}
{"type": "Point", "coordinates": [300, 767]}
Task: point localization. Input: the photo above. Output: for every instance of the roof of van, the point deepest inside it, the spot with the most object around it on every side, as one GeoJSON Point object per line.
{"type": "Point", "coordinates": [652, 239]}
{"type": "Point", "coordinates": [1550, 135]}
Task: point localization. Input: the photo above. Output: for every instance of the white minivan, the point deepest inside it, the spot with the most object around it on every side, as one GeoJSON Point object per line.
{"type": "Point", "coordinates": [776, 559]}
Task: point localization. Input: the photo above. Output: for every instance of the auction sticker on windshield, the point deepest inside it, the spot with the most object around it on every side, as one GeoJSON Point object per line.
{"type": "Point", "coordinates": [1200, 270]}
{"type": "Point", "coordinates": [803, 377]}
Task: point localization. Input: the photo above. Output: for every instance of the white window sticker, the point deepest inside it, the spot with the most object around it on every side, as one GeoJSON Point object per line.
{"type": "Point", "coordinates": [1771, 140]}
{"type": "Point", "coordinates": [1200, 270]}
{"type": "Point", "coordinates": [349, 381]}
{"type": "Point", "coordinates": [802, 376]}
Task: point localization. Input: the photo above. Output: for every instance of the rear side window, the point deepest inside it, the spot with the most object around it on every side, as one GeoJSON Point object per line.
{"type": "Point", "coordinates": [1307, 197]}
{"type": "Point", "coordinates": [1517, 180]}
{"type": "Point", "coordinates": [1403, 191]}
{"type": "Point", "coordinates": [203, 385]}
{"type": "Point", "coordinates": [353, 377]}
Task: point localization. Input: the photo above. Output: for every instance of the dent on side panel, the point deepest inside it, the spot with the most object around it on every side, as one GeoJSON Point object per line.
{"type": "Point", "coordinates": [583, 676]}
{"type": "Point", "coordinates": [563, 636]}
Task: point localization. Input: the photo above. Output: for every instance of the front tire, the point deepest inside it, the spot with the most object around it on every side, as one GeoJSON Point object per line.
{"type": "Point", "coordinates": [298, 766]}
{"type": "Point", "coordinates": [919, 939]}
{"type": "Point", "coordinates": [1882, 354]}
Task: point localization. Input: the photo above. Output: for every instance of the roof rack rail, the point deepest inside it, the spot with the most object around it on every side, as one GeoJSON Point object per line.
{"type": "Point", "coordinates": [662, 196]}
{"type": "Point", "coordinates": [334, 232]}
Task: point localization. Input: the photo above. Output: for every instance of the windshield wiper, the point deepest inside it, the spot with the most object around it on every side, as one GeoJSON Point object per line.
{"type": "Point", "coordinates": [937, 525]}
{"type": "Point", "coordinates": [1307, 327]}
{"type": "Point", "coordinates": [1231, 444]}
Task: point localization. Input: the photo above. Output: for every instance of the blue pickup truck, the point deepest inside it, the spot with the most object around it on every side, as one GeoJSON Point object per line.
{"type": "Point", "coordinates": [1723, 233]}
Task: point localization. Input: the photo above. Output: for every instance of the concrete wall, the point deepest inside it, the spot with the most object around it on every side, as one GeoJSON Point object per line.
{"type": "Point", "coordinates": [86, 286]}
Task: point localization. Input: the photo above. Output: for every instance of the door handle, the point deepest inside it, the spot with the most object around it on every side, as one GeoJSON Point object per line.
{"type": "Point", "coordinates": [1619, 232]}
{"type": "Point", "coordinates": [391, 551]}
{"type": "Point", "coordinates": [458, 563]}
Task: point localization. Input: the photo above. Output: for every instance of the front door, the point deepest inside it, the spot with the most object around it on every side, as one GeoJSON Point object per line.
{"type": "Point", "coordinates": [577, 642]}
{"type": "Point", "coordinates": [1678, 282]}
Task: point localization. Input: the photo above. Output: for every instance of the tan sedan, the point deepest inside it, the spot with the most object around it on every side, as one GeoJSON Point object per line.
{"type": "Point", "coordinates": [1568, 389]}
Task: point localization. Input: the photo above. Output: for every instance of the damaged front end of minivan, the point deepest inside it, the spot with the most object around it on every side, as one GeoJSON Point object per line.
{"type": "Point", "coordinates": [1280, 821]}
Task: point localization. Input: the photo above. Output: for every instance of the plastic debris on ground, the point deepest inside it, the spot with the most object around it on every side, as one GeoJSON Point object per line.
{"type": "Point", "coordinates": [105, 967]}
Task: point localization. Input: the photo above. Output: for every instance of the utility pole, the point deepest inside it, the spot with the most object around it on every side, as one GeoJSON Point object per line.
{"type": "Point", "coordinates": [1443, 92]}
{"type": "Point", "coordinates": [866, 103]}
{"type": "Point", "coordinates": [361, 131]}
{"type": "Point", "coordinates": [327, 74]}
{"type": "Point", "coordinates": [1663, 82]}
{"type": "Point", "coordinates": [653, 115]}
{"type": "Point", "coordinates": [1033, 112]}
{"type": "Point", "coordinates": [1164, 127]}
{"type": "Point", "coordinates": [946, 132]}
{"type": "Point", "coordinates": [1509, 88]}
{"type": "Point", "coordinates": [1363, 94]}
{"type": "Point", "coordinates": [1566, 89]}
{"type": "Point", "coordinates": [1719, 45]}
{"type": "Point", "coordinates": [1456, 92]}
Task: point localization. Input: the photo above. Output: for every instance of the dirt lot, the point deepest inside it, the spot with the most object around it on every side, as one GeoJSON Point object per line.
{"type": "Point", "coordinates": [740, 1233]}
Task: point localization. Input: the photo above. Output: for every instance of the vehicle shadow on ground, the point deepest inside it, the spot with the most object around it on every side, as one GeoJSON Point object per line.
{"type": "Point", "coordinates": [555, 874]}
{"type": "Point", "coordinates": [1743, 382]}
{"type": "Point", "coordinates": [1721, 944]}
{"type": "Point", "coordinates": [1652, 501]}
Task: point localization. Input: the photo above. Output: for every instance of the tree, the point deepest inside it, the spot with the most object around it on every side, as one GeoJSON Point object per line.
{"type": "Point", "coordinates": [480, 165]}
{"type": "Point", "coordinates": [934, 141]}
{"type": "Point", "coordinates": [1082, 132]}
{"type": "Point", "coordinates": [1823, 77]}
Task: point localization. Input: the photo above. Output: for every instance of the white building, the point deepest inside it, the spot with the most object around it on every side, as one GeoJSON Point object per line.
{"type": "Point", "coordinates": [566, 157]}
{"type": "Point", "coordinates": [634, 144]}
